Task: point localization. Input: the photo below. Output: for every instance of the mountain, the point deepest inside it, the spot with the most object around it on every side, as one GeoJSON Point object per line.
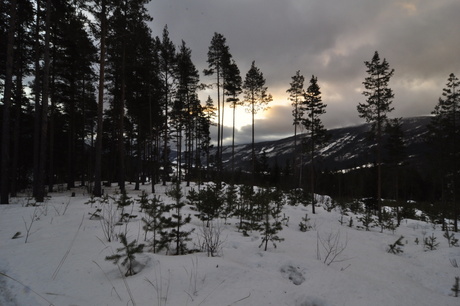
{"type": "Point", "coordinates": [347, 147]}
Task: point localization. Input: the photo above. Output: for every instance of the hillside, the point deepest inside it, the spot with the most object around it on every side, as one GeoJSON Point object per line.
{"type": "Point", "coordinates": [348, 147]}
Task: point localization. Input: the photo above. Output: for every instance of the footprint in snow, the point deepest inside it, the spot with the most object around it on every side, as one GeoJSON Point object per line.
{"type": "Point", "coordinates": [293, 274]}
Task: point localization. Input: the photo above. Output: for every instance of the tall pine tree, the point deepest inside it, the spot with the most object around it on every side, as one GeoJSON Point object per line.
{"type": "Point", "coordinates": [313, 107]}
{"type": "Point", "coordinates": [379, 97]}
{"type": "Point", "coordinates": [256, 99]}
{"type": "Point", "coordinates": [296, 94]}
{"type": "Point", "coordinates": [444, 132]}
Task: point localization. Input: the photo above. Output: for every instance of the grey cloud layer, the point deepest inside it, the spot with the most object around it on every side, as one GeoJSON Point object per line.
{"type": "Point", "coordinates": [330, 39]}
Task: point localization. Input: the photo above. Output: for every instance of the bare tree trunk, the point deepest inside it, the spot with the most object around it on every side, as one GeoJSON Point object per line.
{"type": "Point", "coordinates": [97, 191]}
{"type": "Point", "coordinates": [44, 116]}
{"type": "Point", "coordinates": [37, 102]}
{"type": "Point", "coordinates": [16, 138]}
{"type": "Point", "coordinates": [121, 140]}
{"type": "Point", "coordinates": [4, 193]}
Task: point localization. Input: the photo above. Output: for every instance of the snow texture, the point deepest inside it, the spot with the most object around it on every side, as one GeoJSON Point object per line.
{"type": "Point", "coordinates": [63, 262]}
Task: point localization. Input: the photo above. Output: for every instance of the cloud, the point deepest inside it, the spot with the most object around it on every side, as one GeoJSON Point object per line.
{"type": "Point", "coordinates": [330, 39]}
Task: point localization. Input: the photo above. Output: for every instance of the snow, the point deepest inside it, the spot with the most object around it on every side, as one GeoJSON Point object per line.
{"type": "Point", "coordinates": [63, 262]}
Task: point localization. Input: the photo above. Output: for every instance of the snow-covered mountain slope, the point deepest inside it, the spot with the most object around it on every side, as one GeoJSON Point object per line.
{"type": "Point", "coordinates": [347, 147]}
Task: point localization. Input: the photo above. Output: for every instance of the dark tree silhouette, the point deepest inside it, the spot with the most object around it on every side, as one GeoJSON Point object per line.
{"type": "Point", "coordinates": [256, 99]}
{"type": "Point", "coordinates": [313, 107]}
{"type": "Point", "coordinates": [379, 97]}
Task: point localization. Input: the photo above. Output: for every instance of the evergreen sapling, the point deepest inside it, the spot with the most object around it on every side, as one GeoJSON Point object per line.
{"type": "Point", "coordinates": [143, 200]}
{"type": "Point", "coordinates": [155, 220]}
{"type": "Point", "coordinates": [456, 287]}
{"type": "Point", "coordinates": [271, 206]}
{"type": "Point", "coordinates": [129, 249]}
{"type": "Point", "coordinates": [430, 243]}
{"type": "Point", "coordinates": [304, 225]}
{"type": "Point", "coordinates": [124, 201]}
{"type": "Point", "coordinates": [451, 240]}
{"type": "Point", "coordinates": [395, 247]}
{"type": "Point", "coordinates": [178, 236]}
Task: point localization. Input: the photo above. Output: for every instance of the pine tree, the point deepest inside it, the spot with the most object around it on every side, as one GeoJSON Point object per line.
{"type": "Point", "coordinates": [178, 236]}
{"type": "Point", "coordinates": [208, 202]}
{"type": "Point", "coordinates": [124, 201]}
{"type": "Point", "coordinates": [271, 205]}
{"type": "Point", "coordinates": [456, 287]}
{"type": "Point", "coordinates": [256, 99]}
{"type": "Point", "coordinates": [313, 107]}
{"type": "Point", "coordinates": [396, 152]}
{"type": "Point", "coordinates": [218, 62]}
{"type": "Point", "coordinates": [129, 255]}
{"type": "Point", "coordinates": [155, 221]}
{"type": "Point", "coordinates": [232, 86]}
{"type": "Point", "coordinates": [167, 67]}
{"type": "Point", "coordinates": [5, 160]}
{"type": "Point", "coordinates": [296, 94]}
{"type": "Point", "coordinates": [184, 104]}
{"type": "Point", "coordinates": [444, 138]}
{"type": "Point", "coordinates": [395, 247]}
{"type": "Point", "coordinates": [379, 97]}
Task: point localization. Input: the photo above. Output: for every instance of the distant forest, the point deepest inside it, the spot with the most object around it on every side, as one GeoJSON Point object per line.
{"type": "Point", "coordinates": [89, 95]}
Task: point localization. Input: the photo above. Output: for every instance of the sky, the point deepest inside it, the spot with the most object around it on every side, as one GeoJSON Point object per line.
{"type": "Point", "coordinates": [329, 39]}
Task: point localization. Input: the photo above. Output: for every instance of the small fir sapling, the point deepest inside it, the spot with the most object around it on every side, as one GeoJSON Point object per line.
{"type": "Point", "coordinates": [245, 209]}
{"type": "Point", "coordinates": [350, 223]}
{"type": "Point", "coordinates": [297, 196]}
{"type": "Point", "coordinates": [456, 287]}
{"type": "Point", "coordinates": [176, 235]}
{"type": "Point", "coordinates": [304, 225]}
{"type": "Point", "coordinates": [154, 221]}
{"type": "Point", "coordinates": [92, 200]}
{"type": "Point", "coordinates": [124, 201]}
{"type": "Point", "coordinates": [231, 201]}
{"type": "Point", "coordinates": [367, 220]}
{"type": "Point", "coordinates": [395, 247]}
{"type": "Point", "coordinates": [386, 221]}
{"type": "Point", "coordinates": [430, 243]}
{"type": "Point", "coordinates": [451, 240]}
{"type": "Point", "coordinates": [271, 206]}
{"type": "Point", "coordinates": [143, 200]}
{"type": "Point", "coordinates": [129, 249]}
{"type": "Point", "coordinates": [416, 241]}
{"type": "Point", "coordinates": [209, 202]}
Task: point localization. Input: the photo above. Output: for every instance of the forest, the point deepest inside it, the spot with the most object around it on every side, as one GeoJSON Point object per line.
{"type": "Point", "coordinates": [89, 96]}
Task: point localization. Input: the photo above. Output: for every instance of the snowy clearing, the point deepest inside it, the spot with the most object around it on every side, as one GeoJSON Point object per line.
{"type": "Point", "coordinates": [63, 262]}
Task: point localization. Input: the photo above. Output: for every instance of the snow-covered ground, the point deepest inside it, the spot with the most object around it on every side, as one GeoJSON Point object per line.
{"type": "Point", "coordinates": [63, 262]}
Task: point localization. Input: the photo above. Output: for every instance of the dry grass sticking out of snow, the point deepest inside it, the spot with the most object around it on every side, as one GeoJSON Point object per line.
{"type": "Point", "coordinates": [63, 262]}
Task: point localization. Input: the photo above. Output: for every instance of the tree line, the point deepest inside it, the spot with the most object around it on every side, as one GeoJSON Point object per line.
{"type": "Point", "coordinates": [90, 95]}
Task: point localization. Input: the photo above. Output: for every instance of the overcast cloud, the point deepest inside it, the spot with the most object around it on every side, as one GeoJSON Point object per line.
{"type": "Point", "coordinates": [330, 39]}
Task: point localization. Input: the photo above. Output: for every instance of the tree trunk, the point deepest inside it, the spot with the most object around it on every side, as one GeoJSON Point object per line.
{"type": "Point", "coordinates": [4, 193]}
{"type": "Point", "coordinates": [37, 102]}
{"type": "Point", "coordinates": [121, 142]}
{"type": "Point", "coordinates": [97, 191]}
{"type": "Point", "coordinates": [16, 133]}
{"type": "Point", "coordinates": [44, 115]}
